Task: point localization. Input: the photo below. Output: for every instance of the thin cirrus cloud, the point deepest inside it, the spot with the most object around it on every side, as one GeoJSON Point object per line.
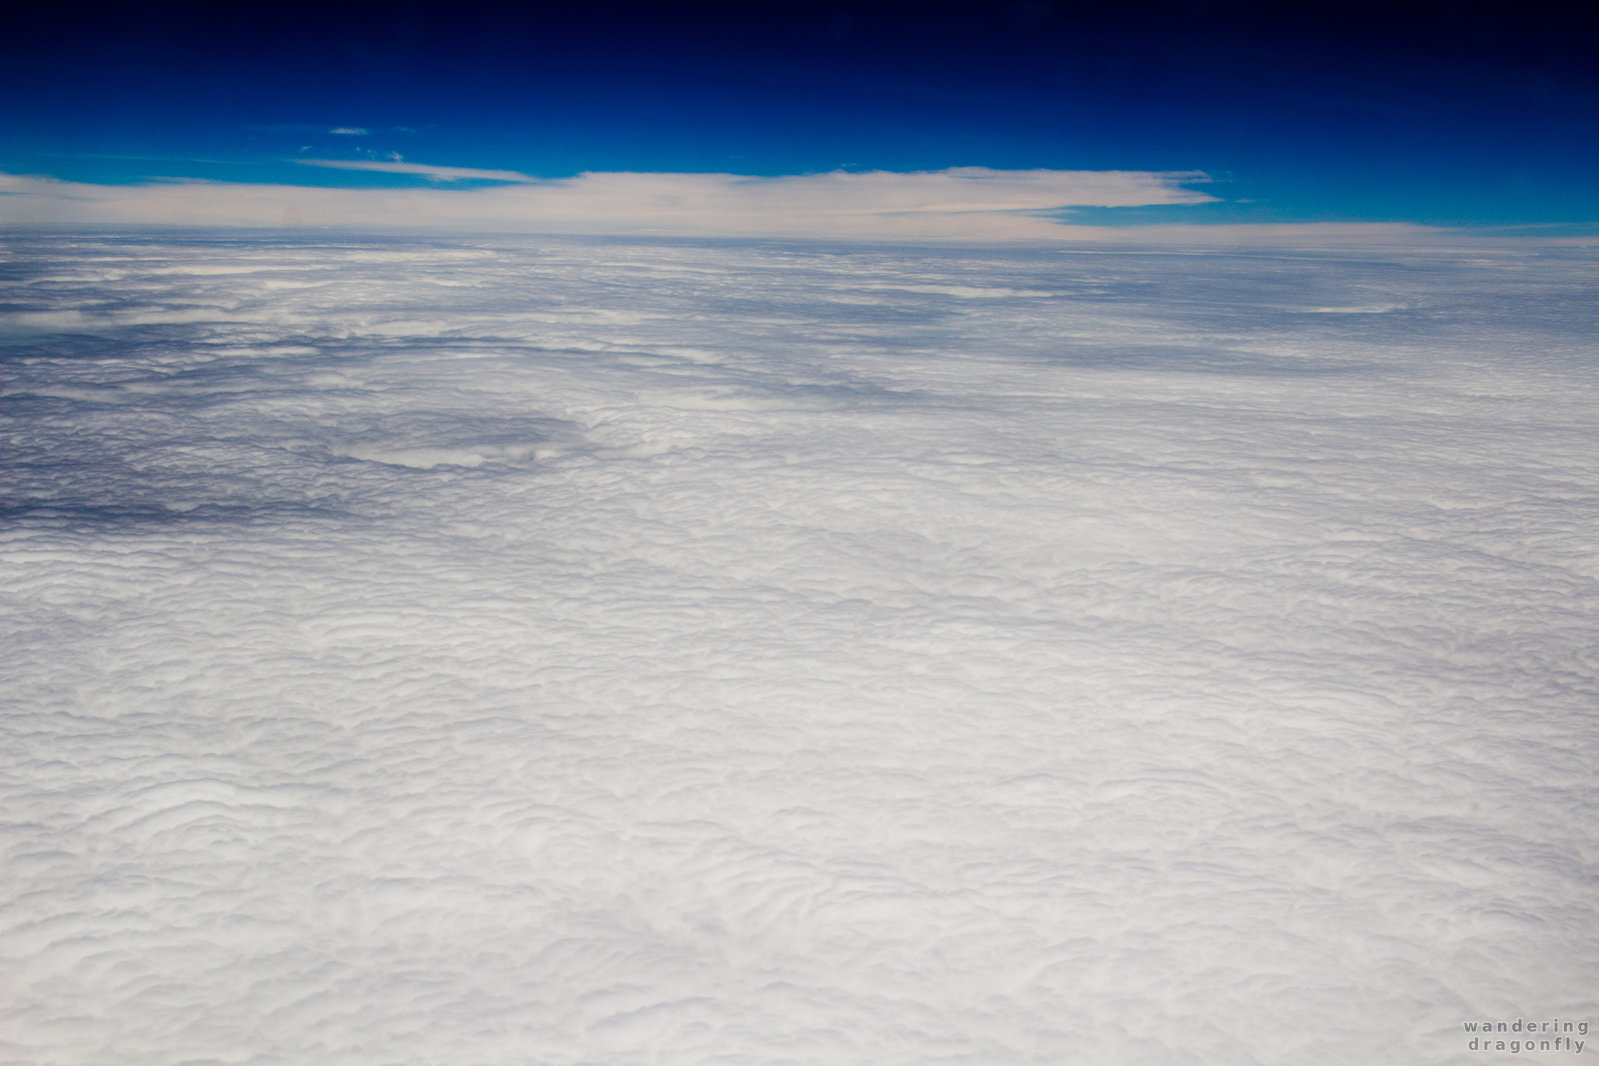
{"type": "Point", "coordinates": [957, 203]}
{"type": "Point", "coordinates": [422, 170]}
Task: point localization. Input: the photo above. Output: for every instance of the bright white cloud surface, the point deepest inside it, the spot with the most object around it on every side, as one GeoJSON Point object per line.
{"type": "Point", "coordinates": [608, 653]}
{"type": "Point", "coordinates": [961, 203]}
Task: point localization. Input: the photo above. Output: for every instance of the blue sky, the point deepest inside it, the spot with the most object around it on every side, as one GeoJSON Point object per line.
{"type": "Point", "coordinates": [1465, 114]}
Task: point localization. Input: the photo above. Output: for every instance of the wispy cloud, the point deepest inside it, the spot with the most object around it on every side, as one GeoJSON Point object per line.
{"type": "Point", "coordinates": [432, 173]}
{"type": "Point", "coordinates": [962, 203]}
{"type": "Point", "coordinates": [349, 131]}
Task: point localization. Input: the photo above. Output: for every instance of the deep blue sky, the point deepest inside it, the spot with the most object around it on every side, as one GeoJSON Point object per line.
{"type": "Point", "coordinates": [1484, 113]}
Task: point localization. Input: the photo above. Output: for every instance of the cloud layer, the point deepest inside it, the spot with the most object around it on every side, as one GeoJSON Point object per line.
{"type": "Point", "coordinates": [960, 203]}
{"type": "Point", "coordinates": [608, 653]}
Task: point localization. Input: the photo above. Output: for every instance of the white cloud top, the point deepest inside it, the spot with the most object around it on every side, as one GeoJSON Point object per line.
{"type": "Point", "coordinates": [959, 203]}
{"type": "Point", "coordinates": [611, 653]}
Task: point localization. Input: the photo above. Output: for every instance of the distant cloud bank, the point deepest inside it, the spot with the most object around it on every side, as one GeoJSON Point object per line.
{"type": "Point", "coordinates": [973, 203]}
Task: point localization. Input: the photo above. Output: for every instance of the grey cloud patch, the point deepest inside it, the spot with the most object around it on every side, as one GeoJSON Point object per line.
{"type": "Point", "coordinates": [618, 652]}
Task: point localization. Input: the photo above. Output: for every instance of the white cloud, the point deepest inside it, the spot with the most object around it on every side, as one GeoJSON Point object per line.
{"type": "Point", "coordinates": [591, 652]}
{"type": "Point", "coordinates": [432, 173]}
{"type": "Point", "coordinates": [960, 203]}
{"type": "Point", "coordinates": [348, 131]}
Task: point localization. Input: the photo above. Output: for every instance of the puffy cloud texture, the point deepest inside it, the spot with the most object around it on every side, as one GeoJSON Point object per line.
{"type": "Point", "coordinates": [601, 652]}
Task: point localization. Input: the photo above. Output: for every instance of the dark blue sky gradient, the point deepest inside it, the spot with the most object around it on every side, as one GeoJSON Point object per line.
{"type": "Point", "coordinates": [1468, 113]}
